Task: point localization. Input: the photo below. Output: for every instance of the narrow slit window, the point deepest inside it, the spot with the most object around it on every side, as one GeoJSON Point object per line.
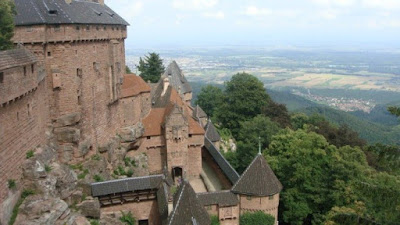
{"type": "Point", "coordinates": [1, 77]}
{"type": "Point", "coordinates": [24, 70]}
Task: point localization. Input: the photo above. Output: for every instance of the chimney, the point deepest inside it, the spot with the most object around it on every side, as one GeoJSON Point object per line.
{"type": "Point", "coordinates": [165, 87]}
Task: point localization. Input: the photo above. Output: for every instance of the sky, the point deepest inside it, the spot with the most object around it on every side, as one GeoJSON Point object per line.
{"type": "Point", "coordinates": [313, 23]}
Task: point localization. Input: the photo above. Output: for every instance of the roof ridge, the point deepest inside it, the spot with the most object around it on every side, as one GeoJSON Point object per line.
{"type": "Point", "coordinates": [126, 179]}
{"type": "Point", "coordinates": [243, 174]}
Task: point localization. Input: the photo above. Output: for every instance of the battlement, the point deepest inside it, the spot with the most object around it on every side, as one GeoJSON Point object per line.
{"type": "Point", "coordinates": [68, 33]}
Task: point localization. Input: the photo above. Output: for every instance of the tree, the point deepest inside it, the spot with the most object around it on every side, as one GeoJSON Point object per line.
{"type": "Point", "coordinates": [256, 218]}
{"type": "Point", "coordinates": [248, 139]}
{"type": "Point", "coordinates": [244, 98]}
{"type": "Point", "coordinates": [214, 220]}
{"type": "Point", "coordinates": [7, 12]}
{"type": "Point", "coordinates": [151, 67]}
{"type": "Point", "coordinates": [278, 113]}
{"type": "Point", "coordinates": [394, 110]}
{"type": "Point", "coordinates": [209, 99]}
{"type": "Point", "coordinates": [128, 70]}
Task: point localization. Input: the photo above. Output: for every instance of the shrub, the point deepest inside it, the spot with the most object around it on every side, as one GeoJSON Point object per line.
{"type": "Point", "coordinates": [83, 174]}
{"type": "Point", "coordinates": [215, 220]}
{"type": "Point", "coordinates": [12, 184]}
{"type": "Point", "coordinates": [256, 218]}
{"type": "Point", "coordinates": [14, 214]}
{"type": "Point", "coordinates": [121, 171]}
{"type": "Point", "coordinates": [98, 178]}
{"type": "Point", "coordinates": [30, 154]}
{"type": "Point", "coordinates": [129, 173]}
{"type": "Point", "coordinates": [47, 168]}
{"type": "Point", "coordinates": [127, 218]}
{"type": "Point", "coordinates": [94, 222]}
{"type": "Point", "coordinates": [96, 157]}
{"type": "Point", "coordinates": [127, 161]}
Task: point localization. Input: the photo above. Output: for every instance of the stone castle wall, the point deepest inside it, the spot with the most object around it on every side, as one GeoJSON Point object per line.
{"type": "Point", "coordinates": [268, 205]}
{"type": "Point", "coordinates": [85, 67]}
{"type": "Point", "coordinates": [23, 124]}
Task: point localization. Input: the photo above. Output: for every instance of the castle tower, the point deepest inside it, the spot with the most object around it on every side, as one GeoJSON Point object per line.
{"type": "Point", "coordinates": [179, 82]}
{"type": "Point", "coordinates": [258, 188]}
{"type": "Point", "coordinates": [81, 46]}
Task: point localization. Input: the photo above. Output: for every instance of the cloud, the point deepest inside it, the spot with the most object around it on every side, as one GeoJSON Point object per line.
{"type": "Point", "coordinates": [254, 11]}
{"type": "Point", "coordinates": [382, 4]}
{"type": "Point", "coordinates": [129, 9]}
{"type": "Point", "coordinates": [338, 3]}
{"type": "Point", "coordinates": [214, 15]}
{"type": "Point", "coordinates": [193, 4]}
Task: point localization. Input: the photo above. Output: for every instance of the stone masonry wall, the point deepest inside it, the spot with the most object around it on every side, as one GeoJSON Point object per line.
{"type": "Point", "coordinates": [22, 128]}
{"type": "Point", "coordinates": [144, 210]}
{"type": "Point", "coordinates": [266, 204]}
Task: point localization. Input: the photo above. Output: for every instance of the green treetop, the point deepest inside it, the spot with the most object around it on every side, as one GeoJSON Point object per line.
{"type": "Point", "coordinates": [394, 110]}
{"type": "Point", "coordinates": [151, 67]}
{"type": "Point", "coordinates": [245, 97]}
{"type": "Point", "coordinates": [7, 12]}
{"type": "Point", "coordinates": [209, 99]}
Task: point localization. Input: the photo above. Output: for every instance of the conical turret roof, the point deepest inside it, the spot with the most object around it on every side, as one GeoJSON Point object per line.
{"type": "Point", "coordinates": [258, 180]}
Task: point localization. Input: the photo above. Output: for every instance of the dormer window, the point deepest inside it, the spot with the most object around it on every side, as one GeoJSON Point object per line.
{"type": "Point", "coordinates": [53, 12]}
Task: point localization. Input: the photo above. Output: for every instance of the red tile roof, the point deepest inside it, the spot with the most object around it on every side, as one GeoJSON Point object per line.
{"type": "Point", "coordinates": [133, 85]}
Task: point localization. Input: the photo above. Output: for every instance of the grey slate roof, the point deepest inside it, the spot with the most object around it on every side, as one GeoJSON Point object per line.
{"type": "Point", "coordinates": [16, 57]}
{"type": "Point", "coordinates": [211, 132]}
{"type": "Point", "coordinates": [187, 208]}
{"type": "Point", "coordinates": [162, 202]}
{"type": "Point", "coordinates": [199, 112]}
{"type": "Point", "coordinates": [220, 198]}
{"type": "Point", "coordinates": [258, 180]}
{"type": "Point", "coordinates": [33, 12]}
{"type": "Point", "coordinates": [126, 185]}
{"type": "Point", "coordinates": [228, 170]}
{"type": "Point", "coordinates": [177, 79]}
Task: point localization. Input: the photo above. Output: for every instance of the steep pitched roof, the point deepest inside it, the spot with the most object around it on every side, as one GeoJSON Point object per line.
{"type": "Point", "coordinates": [187, 208]}
{"type": "Point", "coordinates": [16, 57]}
{"type": "Point", "coordinates": [162, 202]}
{"type": "Point", "coordinates": [33, 12]}
{"type": "Point", "coordinates": [211, 132]}
{"type": "Point", "coordinates": [133, 85]}
{"type": "Point", "coordinates": [177, 79]}
{"type": "Point", "coordinates": [225, 166]}
{"type": "Point", "coordinates": [198, 112]}
{"type": "Point", "coordinates": [220, 198]}
{"type": "Point", "coordinates": [126, 185]}
{"type": "Point", "coordinates": [258, 180]}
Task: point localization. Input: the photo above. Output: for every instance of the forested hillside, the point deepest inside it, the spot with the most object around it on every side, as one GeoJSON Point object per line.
{"type": "Point", "coordinates": [330, 175]}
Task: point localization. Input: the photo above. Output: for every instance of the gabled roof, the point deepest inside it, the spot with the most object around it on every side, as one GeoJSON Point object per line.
{"type": "Point", "coordinates": [198, 112]}
{"type": "Point", "coordinates": [177, 79]}
{"type": "Point", "coordinates": [187, 208]}
{"type": "Point", "coordinates": [34, 12]}
{"type": "Point", "coordinates": [220, 198]}
{"type": "Point", "coordinates": [126, 185]}
{"type": "Point", "coordinates": [162, 202]}
{"type": "Point", "coordinates": [258, 180]}
{"type": "Point", "coordinates": [211, 132]}
{"type": "Point", "coordinates": [16, 57]}
{"type": "Point", "coordinates": [133, 85]}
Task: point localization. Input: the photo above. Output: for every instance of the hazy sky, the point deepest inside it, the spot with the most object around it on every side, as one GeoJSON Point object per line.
{"type": "Point", "coordinates": [169, 23]}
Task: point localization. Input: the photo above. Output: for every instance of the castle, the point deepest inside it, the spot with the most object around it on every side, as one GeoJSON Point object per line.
{"type": "Point", "coordinates": [65, 86]}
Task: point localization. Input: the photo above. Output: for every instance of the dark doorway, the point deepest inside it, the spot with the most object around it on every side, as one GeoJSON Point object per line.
{"type": "Point", "coordinates": [143, 222]}
{"type": "Point", "coordinates": [177, 174]}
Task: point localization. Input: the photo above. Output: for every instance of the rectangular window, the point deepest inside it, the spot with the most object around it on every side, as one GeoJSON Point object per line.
{"type": "Point", "coordinates": [87, 28]}
{"type": "Point", "coordinates": [1, 77]}
{"type": "Point", "coordinates": [148, 137]}
{"type": "Point", "coordinates": [248, 198]}
{"type": "Point", "coordinates": [24, 70]}
{"type": "Point", "coordinates": [143, 222]}
{"type": "Point", "coordinates": [79, 72]}
{"type": "Point", "coordinates": [49, 54]}
{"type": "Point", "coordinates": [33, 68]}
{"type": "Point", "coordinates": [57, 28]}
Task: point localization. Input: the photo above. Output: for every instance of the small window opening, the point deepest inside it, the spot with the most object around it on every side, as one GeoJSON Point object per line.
{"type": "Point", "coordinates": [17, 115]}
{"type": "Point", "coordinates": [143, 222]}
{"type": "Point", "coordinates": [57, 28]}
{"type": "Point", "coordinates": [190, 135]}
{"type": "Point", "coordinates": [77, 28]}
{"type": "Point", "coordinates": [105, 28]}
{"type": "Point", "coordinates": [87, 27]}
{"type": "Point", "coordinates": [148, 137]}
{"type": "Point", "coordinates": [1, 77]}
{"type": "Point", "coordinates": [76, 52]}
{"type": "Point", "coordinates": [79, 100]}
{"type": "Point", "coordinates": [79, 72]}
{"type": "Point", "coordinates": [24, 70]}
{"type": "Point", "coordinates": [97, 28]}
{"type": "Point", "coordinates": [48, 54]}
{"type": "Point", "coordinates": [33, 68]}
{"type": "Point", "coordinates": [248, 198]}
{"type": "Point", "coordinates": [29, 110]}
{"type": "Point", "coordinates": [53, 12]}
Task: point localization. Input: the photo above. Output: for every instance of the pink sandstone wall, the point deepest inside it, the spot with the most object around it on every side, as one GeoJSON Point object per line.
{"type": "Point", "coordinates": [22, 128]}
{"type": "Point", "coordinates": [144, 210]}
{"type": "Point", "coordinates": [265, 204]}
